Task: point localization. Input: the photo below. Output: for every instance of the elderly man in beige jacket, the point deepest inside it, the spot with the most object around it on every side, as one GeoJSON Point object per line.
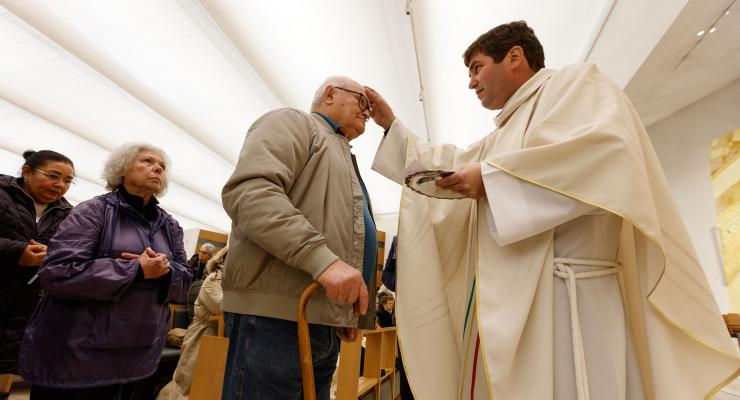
{"type": "Point", "coordinates": [565, 271]}
{"type": "Point", "coordinates": [300, 213]}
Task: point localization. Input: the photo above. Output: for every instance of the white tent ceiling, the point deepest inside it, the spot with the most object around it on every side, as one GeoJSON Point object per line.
{"type": "Point", "coordinates": [190, 76]}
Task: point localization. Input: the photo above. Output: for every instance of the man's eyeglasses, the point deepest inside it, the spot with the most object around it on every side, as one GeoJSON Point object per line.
{"type": "Point", "coordinates": [56, 178]}
{"type": "Point", "coordinates": [361, 99]}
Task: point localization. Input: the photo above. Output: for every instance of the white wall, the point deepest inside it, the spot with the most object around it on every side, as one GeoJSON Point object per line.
{"type": "Point", "coordinates": [190, 240]}
{"type": "Point", "coordinates": [682, 143]}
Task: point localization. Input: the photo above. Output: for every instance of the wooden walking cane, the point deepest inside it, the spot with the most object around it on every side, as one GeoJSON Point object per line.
{"type": "Point", "coordinates": [304, 344]}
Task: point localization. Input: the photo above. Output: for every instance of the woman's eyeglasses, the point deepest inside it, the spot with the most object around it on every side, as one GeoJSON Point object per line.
{"type": "Point", "coordinates": [56, 178]}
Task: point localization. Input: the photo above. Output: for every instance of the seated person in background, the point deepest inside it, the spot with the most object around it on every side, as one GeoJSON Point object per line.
{"type": "Point", "coordinates": [385, 314]}
{"type": "Point", "coordinates": [199, 260]}
{"type": "Point", "coordinates": [109, 272]}
{"type": "Point", "coordinates": [192, 296]}
{"type": "Point", "coordinates": [207, 304]}
{"type": "Point", "coordinates": [197, 264]}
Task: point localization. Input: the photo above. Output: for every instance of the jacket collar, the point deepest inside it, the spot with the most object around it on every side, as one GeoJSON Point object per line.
{"type": "Point", "coordinates": [334, 126]}
{"type": "Point", "coordinates": [149, 211]}
{"type": "Point", "coordinates": [117, 199]}
{"type": "Point", "coordinates": [324, 121]}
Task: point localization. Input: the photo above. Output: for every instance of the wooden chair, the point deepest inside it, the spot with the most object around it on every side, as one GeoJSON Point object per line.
{"type": "Point", "coordinates": [732, 321]}
{"type": "Point", "coordinates": [219, 321]}
{"type": "Point", "coordinates": [211, 363]}
{"type": "Point", "coordinates": [174, 307]}
{"type": "Point", "coordinates": [380, 356]}
{"type": "Point", "coordinates": [379, 365]}
{"type": "Point", "coordinates": [6, 382]}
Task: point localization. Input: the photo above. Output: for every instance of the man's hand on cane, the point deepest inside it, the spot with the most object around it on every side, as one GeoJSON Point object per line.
{"type": "Point", "coordinates": [344, 284]}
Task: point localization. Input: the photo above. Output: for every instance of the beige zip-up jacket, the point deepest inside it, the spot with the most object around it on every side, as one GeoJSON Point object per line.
{"type": "Point", "coordinates": [296, 206]}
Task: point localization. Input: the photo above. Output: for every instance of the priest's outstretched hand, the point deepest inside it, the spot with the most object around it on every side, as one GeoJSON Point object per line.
{"type": "Point", "coordinates": [466, 181]}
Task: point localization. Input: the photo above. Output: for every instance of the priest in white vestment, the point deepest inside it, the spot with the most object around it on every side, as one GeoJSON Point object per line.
{"type": "Point", "coordinates": [567, 272]}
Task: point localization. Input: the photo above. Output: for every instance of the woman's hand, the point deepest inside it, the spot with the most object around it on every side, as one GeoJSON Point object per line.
{"type": "Point", "coordinates": [153, 265]}
{"type": "Point", "coordinates": [33, 255]}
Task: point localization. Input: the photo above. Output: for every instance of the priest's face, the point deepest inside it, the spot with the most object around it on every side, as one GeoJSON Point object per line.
{"type": "Point", "coordinates": [492, 82]}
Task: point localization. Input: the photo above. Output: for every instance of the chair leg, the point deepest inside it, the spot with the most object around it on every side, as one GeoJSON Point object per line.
{"type": "Point", "coordinates": [6, 381]}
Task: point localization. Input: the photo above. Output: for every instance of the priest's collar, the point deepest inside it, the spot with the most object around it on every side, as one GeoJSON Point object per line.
{"type": "Point", "coordinates": [522, 94]}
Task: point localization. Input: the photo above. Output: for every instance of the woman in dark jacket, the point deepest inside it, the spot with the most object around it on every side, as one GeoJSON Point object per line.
{"type": "Point", "coordinates": [31, 208]}
{"type": "Point", "coordinates": [110, 271]}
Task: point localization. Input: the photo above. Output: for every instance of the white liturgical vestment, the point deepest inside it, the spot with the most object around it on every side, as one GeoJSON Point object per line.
{"type": "Point", "coordinates": [574, 278]}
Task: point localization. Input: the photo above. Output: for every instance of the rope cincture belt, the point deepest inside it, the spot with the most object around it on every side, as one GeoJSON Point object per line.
{"type": "Point", "coordinates": [564, 271]}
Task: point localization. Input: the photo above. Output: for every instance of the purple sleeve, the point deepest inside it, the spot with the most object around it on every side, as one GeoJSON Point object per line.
{"type": "Point", "coordinates": [180, 275]}
{"type": "Point", "coordinates": [71, 268]}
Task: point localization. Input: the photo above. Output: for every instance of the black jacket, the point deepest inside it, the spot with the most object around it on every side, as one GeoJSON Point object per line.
{"type": "Point", "coordinates": [385, 319]}
{"type": "Point", "coordinates": [196, 267]}
{"type": "Point", "coordinates": [18, 298]}
{"type": "Point", "coordinates": [389, 272]}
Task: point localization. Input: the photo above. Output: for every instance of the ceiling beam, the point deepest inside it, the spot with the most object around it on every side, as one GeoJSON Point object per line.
{"type": "Point", "coordinates": [399, 18]}
{"type": "Point", "coordinates": [606, 11]}
{"type": "Point", "coordinates": [97, 180]}
{"type": "Point", "coordinates": [123, 82]}
{"type": "Point", "coordinates": [198, 12]}
{"type": "Point", "coordinates": [186, 183]}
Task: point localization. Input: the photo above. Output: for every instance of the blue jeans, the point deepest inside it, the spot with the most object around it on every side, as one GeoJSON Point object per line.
{"type": "Point", "coordinates": [263, 360]}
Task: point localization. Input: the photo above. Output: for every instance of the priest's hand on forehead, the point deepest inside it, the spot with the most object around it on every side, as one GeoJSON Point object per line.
{"type": "Point", "coordinates": [380, 112]}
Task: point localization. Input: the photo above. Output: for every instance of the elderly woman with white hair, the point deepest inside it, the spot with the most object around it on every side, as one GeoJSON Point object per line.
{"type": "Point", "coordinates": [110, 270]}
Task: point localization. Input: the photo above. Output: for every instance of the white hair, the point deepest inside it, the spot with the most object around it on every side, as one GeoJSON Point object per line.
{"type": "Point", "coordinates": [208, 248]}
{"type": "Point", "coordinates": [217, 261]}
{"type": "Point", "coordinates": [330, 81]}
{"type": "Point", "coordinates": [120, 161]}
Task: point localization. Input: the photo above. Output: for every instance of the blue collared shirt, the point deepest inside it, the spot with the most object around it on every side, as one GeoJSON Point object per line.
{"type": "Point", "coordinates": [369, 257]}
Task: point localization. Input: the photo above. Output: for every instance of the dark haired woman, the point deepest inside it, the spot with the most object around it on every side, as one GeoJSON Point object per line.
{"type": "Point", "coordinates": [31, 208]}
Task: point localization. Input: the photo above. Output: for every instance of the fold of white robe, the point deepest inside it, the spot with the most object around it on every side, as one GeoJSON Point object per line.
{"type": "Point", "coordinates": [572, 132]}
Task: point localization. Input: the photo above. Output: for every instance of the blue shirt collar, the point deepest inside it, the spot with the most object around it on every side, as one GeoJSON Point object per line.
{"type": "Point", "coordinates": [334, 125]}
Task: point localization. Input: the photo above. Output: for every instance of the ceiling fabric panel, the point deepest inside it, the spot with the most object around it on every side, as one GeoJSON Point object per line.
{"type": "Point", "coordinates": [68, 93]}
{"type": "Point", "coordinates": [89, 159]}
{"type": "Point", "coordinates": [155, 51]}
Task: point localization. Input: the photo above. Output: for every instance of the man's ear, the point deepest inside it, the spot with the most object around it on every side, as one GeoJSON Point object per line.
{"type": "Point", "coordinates": [516, 57]}
{"type": "Point", "coordinates": [329, 94]}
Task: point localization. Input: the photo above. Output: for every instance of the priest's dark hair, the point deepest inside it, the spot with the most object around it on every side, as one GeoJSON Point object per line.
{"type": "Point", "coordinates": [499, 40]}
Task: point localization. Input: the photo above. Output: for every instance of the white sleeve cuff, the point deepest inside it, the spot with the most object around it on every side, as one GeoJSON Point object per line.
{"type": "Point", "coordinates": [517, 209]}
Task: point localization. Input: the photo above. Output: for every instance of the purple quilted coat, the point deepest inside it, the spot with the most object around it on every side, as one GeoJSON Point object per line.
{"type": "Point", "coordinates": [101, 323]}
